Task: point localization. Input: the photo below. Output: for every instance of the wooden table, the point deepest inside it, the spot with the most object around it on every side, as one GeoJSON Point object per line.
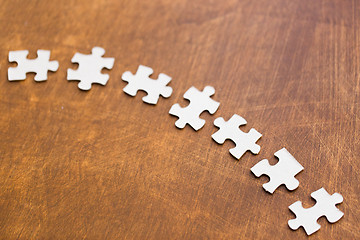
{"type": "Point", "coordinates": [100, 164]}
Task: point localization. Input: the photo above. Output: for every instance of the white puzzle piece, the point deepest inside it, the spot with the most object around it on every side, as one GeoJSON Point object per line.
{"type": "Point", "coordinates": [90, 66]}
{"type": "Point", "coordinates": [230, 130]}
{"type": "Point", "coordinates": [40, 65]}
{"type": "Point", "coordinates": [142, 81]}
{"type": "Point", "coordinates": [199, 102]}
{"type": "Point", "coordinates": [325, 206]}
{"type": "Point", "coordinates": [281, 173]}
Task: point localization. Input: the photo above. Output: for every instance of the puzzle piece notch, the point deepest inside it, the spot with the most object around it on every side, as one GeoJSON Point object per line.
{"type": "Point", "coordinates": [281, 173]}
{"type": "Point", "coordinates": [90, 67]}
{"type": "Point", "coordinates": [40, 65]}
{"type": "Point", "coordinates": [230, 130]}
{"type": "Point", "coordinates": [142, 81]}
{"type": "Point", "coordinates": [325, 206]}
{"type": "Point", "coordinates": [199, 102]}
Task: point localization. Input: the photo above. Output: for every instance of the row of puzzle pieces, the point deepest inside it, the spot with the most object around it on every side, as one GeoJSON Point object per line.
{"type": "Point", "coordinates": [282, 173]}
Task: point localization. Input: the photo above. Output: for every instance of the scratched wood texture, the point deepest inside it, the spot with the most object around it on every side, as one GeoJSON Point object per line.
{"type": "Point", "coordinates": [103, 165]}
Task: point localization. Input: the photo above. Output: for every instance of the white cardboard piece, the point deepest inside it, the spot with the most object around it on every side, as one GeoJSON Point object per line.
{"type": "Point", "coordinates": [281, 173]}
{"type": "Point", "coordinates": [40, 65]}
{"type": "Point", "coordinates": [230, 130]}
{"type": "Point", "coordinates": [199, 102]}
{"type": "Point", "coordinates": [325, 206]}
{"type": "Point", "coordinates": [89, 70]}
{"type": "Point", "coordinates": [142, 81]}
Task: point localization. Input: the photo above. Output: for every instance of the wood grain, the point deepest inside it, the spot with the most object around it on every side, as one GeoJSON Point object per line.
{"type": "Point", "coordinates": [103, 165]}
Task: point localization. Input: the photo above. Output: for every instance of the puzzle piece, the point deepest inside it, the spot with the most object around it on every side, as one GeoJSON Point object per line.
{"type": "Point", "coordinates": [90, 66]}
{"type": "Point", "coordinates": [230, 130]}
{"type": "Point", "coordinates": [199, 102]}
{"type": "Point", "coordinates": [325, 206]}
{"type": "Point", "coordinates": [142, 81]}
{"type": "Point", "coordinates": [281, 173]}
{"type": "Point", "coordinates": [41, 65]}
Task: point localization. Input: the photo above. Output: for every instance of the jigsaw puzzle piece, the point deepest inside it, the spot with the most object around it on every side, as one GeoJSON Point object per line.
{"type": "Point", "coordinates": [281, 173]}
{"type": "Point", "coordinates": [230, 130]}
{"type": "Point", "coordinates": [142, 81]}
{"type": "Point", "coordinates": [41, 65]}
{"type": "Point", "coordinates": [325, 206]}
{"type": "Point", "coordinates": [90, 67]}
{"type": "Point", "coordinates": [199, 102]}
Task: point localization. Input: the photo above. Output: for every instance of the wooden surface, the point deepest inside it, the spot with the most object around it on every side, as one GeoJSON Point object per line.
{"type": "Point", "coordinates": [103, 165]}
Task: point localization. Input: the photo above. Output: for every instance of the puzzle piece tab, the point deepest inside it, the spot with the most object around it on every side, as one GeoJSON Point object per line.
{"type": "Point", "coordinates": [325, 206]}
{"type": "Point", "coordinates": [89, 70]}
{"type": "Point", "coordinates": [281, 173]}
{"type": "Point", "coordinates": [142, 81]}
{"type": "Point", "coordinates": [230, 130]}
{"type": "Point", "coordinates": [40, 65]}
{"type": "Point", "coordinates": [199, 102]}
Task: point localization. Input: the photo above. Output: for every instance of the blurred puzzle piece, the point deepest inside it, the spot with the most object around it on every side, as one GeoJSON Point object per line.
{"type": "Point", "coordinates": [89, 70]}
{"type": "Point", "coordinates": [40, 65]}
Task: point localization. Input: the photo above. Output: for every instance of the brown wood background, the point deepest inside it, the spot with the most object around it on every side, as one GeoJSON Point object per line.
{"type": "Point", "coordinates": [103, 165]}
